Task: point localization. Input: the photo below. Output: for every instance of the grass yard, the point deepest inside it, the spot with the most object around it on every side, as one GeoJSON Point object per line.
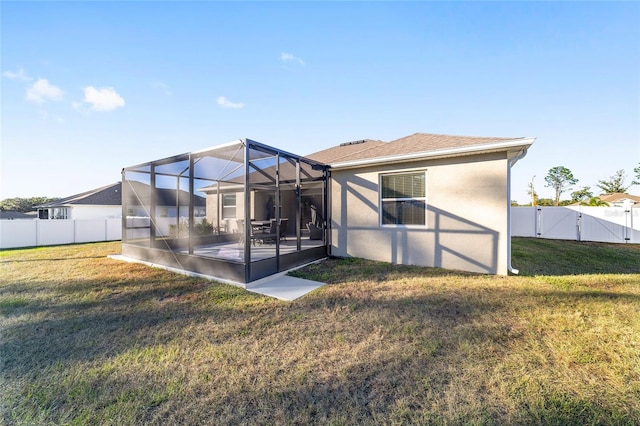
{"type": "Point", "coordinates": [87, 340]}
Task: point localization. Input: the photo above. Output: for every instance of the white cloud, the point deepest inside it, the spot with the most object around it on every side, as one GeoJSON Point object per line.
{"type": "Point", "coordinates": [42, 91]}
{"type": "Point", "coordinates": [18, 75]}
{"type": "Point", "coordinates": [288, 57]}
{"type": "Point", "coordinates": [103, 99]}
{"type": "Point", "coordinates": [225, 103]}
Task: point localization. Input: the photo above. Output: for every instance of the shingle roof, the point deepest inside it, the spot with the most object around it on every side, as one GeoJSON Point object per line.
{"type": "Point", "coordinates": [140, 193]}
{"type": "Point", "coordinates": [413, 144]}
{"type": "Point", "coordinates": [618, 197]}
{"type": "Point", "coordinates": [12, 214]}
{"type": "Point", "coordinates": [110, 195]}
{"type": "Point", "coordinates": [345, 151]}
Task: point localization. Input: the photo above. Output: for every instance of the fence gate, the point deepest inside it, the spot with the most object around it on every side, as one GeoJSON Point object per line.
{"type": "Point", "coordinates": [578, 223]}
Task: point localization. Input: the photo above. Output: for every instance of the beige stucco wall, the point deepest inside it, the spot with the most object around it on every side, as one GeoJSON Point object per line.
{"type": "Point", "coordinates": [467, 215]}
{"type": "Point", "coordinates": [214, 210]}
{"type": "Point", "coordinates": [258, 209]}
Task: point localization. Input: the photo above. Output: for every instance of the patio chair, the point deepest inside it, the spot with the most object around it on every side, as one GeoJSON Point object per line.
{"type": "Point", "coordinates": [269, 235]}
{"type": "Point", "coordinates": [283, 229]}
{"type": "Point", "coordinates": [315, 232]}
{"type": "Point", "coordinates": [240, 225]}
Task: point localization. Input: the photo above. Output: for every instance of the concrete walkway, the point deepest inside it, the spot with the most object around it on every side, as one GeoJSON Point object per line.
{"type": "Point", "coordinates": [283, 287]}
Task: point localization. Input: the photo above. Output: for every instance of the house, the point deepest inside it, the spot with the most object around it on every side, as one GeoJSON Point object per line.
{"type": "Point", "coordinates": [100, 203]}
{"type": "Point", "coordinates": [620, 200]}
{"type": "Point", "coordinates": [425, 199]}
{"type": "Point", "coordinates": [106, 202]}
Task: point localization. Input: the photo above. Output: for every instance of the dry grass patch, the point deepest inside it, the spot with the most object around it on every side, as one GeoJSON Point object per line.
{"type": "Point", "coordinates": [89, 340]}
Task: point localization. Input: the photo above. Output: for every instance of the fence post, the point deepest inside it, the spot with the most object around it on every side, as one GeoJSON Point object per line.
{"type": "Point", "coordinates": [538, 222]}
{"type": "Point", "coordinates": [579, 226]}
{"type": "Point", "coordinates": [628, 217]}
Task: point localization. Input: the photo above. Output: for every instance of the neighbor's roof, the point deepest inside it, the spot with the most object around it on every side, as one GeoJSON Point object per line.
{"type": "Point", "coordinates": [12, 214]}
{"type": "Point", "coordinates": [414, 145]}
{"type": "Point", "coordinates": [619, 197]}
{"type": "Point", "coordinates": [110, 195]}
{"type": "Point", "coordinates": [140, 194]}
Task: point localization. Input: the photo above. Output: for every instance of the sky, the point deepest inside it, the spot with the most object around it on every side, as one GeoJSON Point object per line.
{"type": "Point", "coordinates": [88, 88]}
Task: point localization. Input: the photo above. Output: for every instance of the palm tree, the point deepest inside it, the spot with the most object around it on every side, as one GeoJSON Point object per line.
{"type": "Point", "coordinates": [595, 202]}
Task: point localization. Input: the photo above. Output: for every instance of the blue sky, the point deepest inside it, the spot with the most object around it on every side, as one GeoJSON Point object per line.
{"type": "Point", "coordinates": [88, 88]}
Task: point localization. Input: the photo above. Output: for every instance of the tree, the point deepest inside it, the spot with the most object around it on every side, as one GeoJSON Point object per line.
{"type": "Point", "coordinates": [595, 202]}
{"type": "Point", "coordinates": [614, 184]}
{"type": "Point", "coordinates": [560, 179]}
{"type": "Point", "coordinates": [545, 202]}
{"type": "Point", "coordinates": [24, 205]}
{"type": "Point", "coordinates": [533, 194]}
{"type": "Point", "coordinates": [581, 194]}
{"type": "Point", "coordinates": [636, 180]}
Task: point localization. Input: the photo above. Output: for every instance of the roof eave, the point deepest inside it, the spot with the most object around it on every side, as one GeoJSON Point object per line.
{"type": "Point", "coordinates": [515, 145]}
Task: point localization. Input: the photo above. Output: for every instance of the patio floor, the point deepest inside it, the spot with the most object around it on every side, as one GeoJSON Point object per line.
{"type": "Point", "coordinates": [234, 251]}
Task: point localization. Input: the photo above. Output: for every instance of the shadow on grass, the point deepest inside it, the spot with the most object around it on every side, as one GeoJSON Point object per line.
{"type": "Point", "coordinates": [399, 388]}
{"type": "Point", "coordinates": [418, 367]}
{"type": "Point", "coordinates": [87, 320]}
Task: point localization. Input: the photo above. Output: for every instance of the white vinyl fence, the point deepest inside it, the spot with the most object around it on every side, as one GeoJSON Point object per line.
{"type": "Point", "coordinates": [579, 223]}
{"type": "Point", "coordinates": [31, 233]}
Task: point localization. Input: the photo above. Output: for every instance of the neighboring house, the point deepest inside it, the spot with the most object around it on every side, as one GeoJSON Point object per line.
{"type": "Point", "coordinates": [168, 205]}
{"type": "Point", "coordinates": [106, 202]}
{"type": "Point", "coordinates": [620, 200]}
{"type": "Point", "coordinates": [425, 199]}
{"type": "Point", "coordinates": [100, 203]}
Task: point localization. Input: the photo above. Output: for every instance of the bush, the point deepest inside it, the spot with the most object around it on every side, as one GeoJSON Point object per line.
{"type": "Point", "coordinates": [203, 227]}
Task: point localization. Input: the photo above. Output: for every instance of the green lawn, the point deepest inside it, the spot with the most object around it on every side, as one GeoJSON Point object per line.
{"type": "Point", "coordinates": [90, 340]}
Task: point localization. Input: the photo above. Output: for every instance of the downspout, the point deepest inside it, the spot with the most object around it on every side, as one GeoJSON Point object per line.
{"type": "Point", "coordinates": [511, 162]}
{"type": "Point", "coordinates": [327, 210]}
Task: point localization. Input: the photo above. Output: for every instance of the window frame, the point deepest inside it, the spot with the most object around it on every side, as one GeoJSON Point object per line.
{"type": "Point", "coordinates": [227, 207]}
{"type": "Point", "coordinates": [60, 213]}
{"type": "Point", "coordinates": [382, 200]}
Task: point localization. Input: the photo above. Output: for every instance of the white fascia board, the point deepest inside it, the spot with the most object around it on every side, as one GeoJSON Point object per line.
{"type": "Point", "coordinates": [222, 146]}
{"type": "Point", "coordinates": [228, 188]}
{"type": "Point", "coordinates": [523, 143]}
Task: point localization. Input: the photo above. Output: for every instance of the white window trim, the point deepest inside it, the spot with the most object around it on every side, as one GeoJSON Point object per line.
{"type": "Point", "coordinates": [229, 207]}
{"type": "Point", "coordinates": [60, 213]}
{"type": "Point", "coordinates": [426, 203]}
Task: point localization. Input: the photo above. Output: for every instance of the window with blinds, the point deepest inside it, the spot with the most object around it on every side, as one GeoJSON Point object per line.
{"type": "Point", "coordinates": [229, 206]}
{"type": "Point", "coordinates": [403, 198]}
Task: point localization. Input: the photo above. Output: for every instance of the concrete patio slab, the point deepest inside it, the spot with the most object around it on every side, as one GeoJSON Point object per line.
{"type": "Point", "coordinates": [283, 287]}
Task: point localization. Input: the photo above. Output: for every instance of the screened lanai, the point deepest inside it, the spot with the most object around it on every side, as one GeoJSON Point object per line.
{"type": "Point", "coordinates": [240, 211]}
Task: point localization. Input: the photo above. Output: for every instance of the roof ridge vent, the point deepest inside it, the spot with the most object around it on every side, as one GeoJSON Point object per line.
{"type": "Point", "coordinates": [353, 142]}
